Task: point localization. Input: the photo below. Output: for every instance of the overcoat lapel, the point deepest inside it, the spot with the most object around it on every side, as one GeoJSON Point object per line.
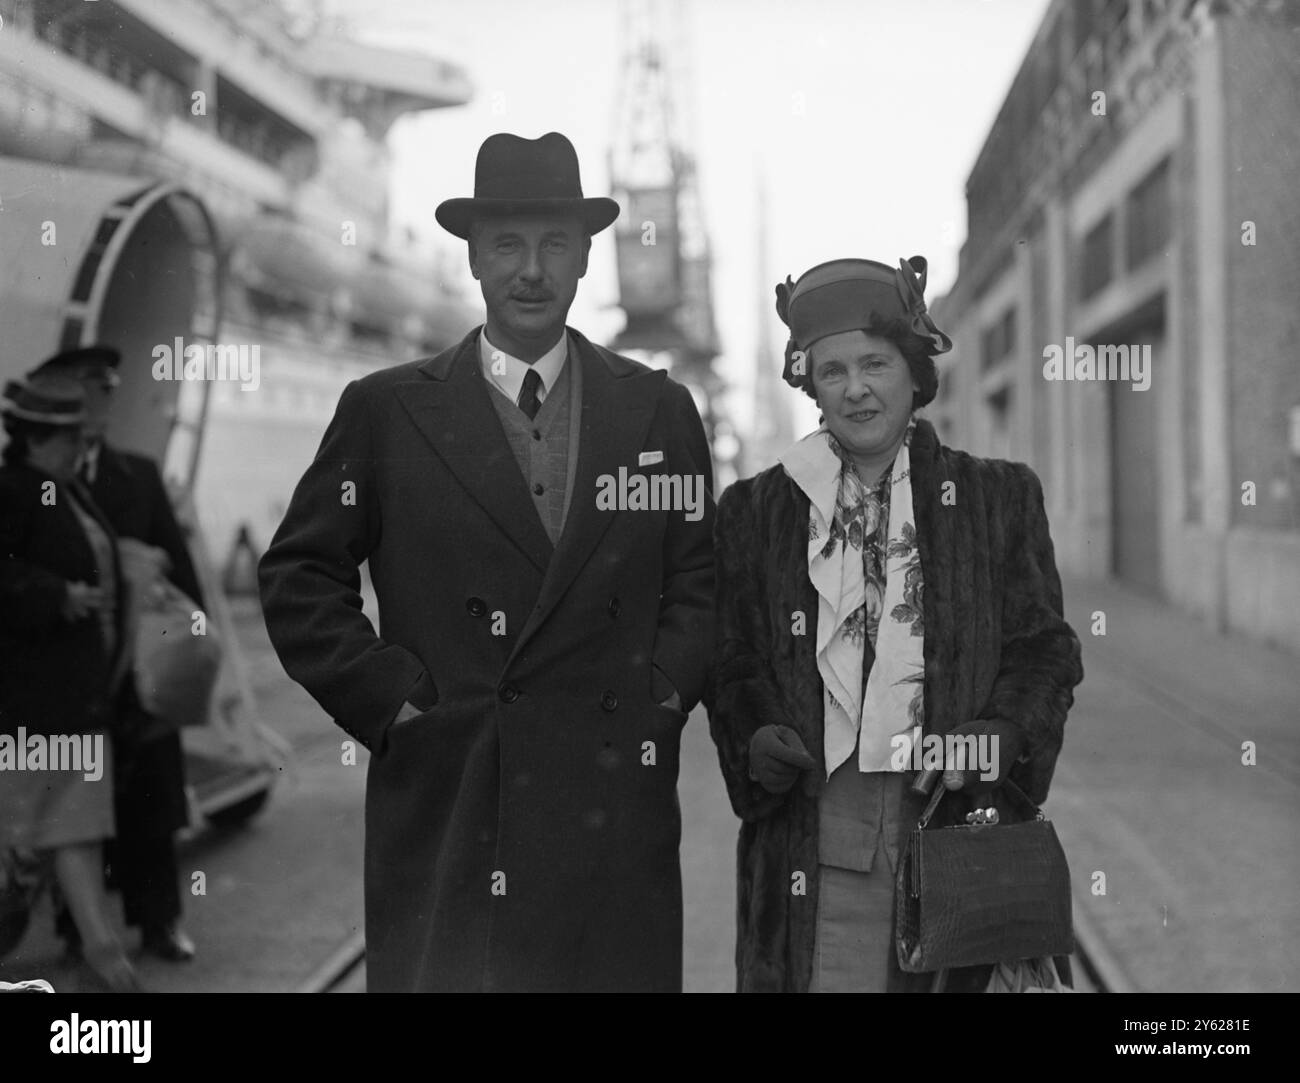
{"type": "Point", "coordinates": [86, 501]}
{"type": "Point", "coordinates": [452, 409]}
{"type": "Point", "coordinates": [618, 404]}
{"type": "Point", "coordinates": [112, 489]}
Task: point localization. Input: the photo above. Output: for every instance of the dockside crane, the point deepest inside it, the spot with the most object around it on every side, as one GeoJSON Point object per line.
{"type": "Point", "coordinates": [664, 257]}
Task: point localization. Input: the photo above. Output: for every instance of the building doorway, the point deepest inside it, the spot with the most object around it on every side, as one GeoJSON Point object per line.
{"type": "Point", "coordinates": [1135, 486]}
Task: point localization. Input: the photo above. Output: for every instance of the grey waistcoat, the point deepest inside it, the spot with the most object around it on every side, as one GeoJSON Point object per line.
{"type": "Point", "coordinates": [546, 448]}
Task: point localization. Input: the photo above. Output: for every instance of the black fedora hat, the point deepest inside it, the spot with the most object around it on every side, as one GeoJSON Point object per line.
{"type": "Point", "coordinates": [513, 175]}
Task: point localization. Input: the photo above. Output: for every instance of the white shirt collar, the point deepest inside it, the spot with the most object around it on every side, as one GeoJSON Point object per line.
{"type": "Point", "coordinates": [511, 381]}
{"type": "Point", "coordinates": [88, 461]}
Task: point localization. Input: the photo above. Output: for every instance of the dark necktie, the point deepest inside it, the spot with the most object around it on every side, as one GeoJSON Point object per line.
{"type": "Point", "coordinates": [528, 402]}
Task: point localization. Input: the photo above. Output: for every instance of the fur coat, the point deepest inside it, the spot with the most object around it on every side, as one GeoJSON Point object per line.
{"type": "Point", "coordinates": [996, 646]}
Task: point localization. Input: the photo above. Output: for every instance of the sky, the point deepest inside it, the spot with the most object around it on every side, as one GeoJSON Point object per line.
{"type": "Point", "coordinates": [863, 117]}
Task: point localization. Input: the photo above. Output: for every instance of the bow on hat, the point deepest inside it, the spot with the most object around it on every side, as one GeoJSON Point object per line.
{"type": "Point", "coordinates": [912, 289]}
{"type": "Point", "coordinates": [783, 291]}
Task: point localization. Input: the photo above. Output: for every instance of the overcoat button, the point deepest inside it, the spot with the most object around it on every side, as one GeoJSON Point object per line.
{"type": "Point", "coordinates": [476, 606]}
{"type": "Point", "coordinates": [608, 700]}
{"type": "Point", "coordinates": [538, 489]}
{"type": "Point", "coordinates": [613, 607]}
{"type": "Point", "coordinates": [508, 693]}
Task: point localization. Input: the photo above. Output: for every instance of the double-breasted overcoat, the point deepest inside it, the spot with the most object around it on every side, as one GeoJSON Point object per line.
{"type": "Point", "coordinates": [522, 832]}
{"type": "Point", "coordinates": [151, 801]}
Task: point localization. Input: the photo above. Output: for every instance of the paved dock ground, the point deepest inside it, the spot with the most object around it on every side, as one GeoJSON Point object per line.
{"type": "Point", "coordinates": [1197, 849]}
{"type": "Point", "coordinates": [1202, 870]}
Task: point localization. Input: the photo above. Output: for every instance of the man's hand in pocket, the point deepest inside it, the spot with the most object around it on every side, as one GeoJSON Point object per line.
{"type": "Point", "coordinates": [408, 710]}
{"type": "Point", "coordinates": [665, 691]}
{"type": "Point", "coordinates": [405, 713]}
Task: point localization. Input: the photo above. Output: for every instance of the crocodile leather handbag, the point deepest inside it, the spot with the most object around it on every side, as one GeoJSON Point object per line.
{"type": "Point", "coordinates": [981, 893]}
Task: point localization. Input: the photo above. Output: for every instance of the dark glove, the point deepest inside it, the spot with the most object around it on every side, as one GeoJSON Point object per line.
{"type": "Point", "coordinates": [1010, 743]}
{"type": "Point", "coordinates": [776, 756]}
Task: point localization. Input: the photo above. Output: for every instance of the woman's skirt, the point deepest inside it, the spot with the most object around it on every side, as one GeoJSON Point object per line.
{"type": "Point", "coordinates": [44, 809]}
{"type": "Point", "coordinates": [859, 839]}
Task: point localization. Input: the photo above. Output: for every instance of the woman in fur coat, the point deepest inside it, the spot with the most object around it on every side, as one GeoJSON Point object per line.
{"type": "Point", "coordinates": [876, 591]}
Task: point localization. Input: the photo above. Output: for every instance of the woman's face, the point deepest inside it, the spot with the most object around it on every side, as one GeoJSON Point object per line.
{"type": "Point", "coordinates": [864, 387]}
{"type": "Point", "coordinates": [57, 454]}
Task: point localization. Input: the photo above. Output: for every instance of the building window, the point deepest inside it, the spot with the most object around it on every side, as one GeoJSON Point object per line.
{"type": "Point", "coordinates": [1098, 258]}
{"type": "Point", "coordinates": [1148, 220]}
{"type": "Point", "coordinates": [998, 340]}
{"type": "Point", "coordinates": [999, 405]}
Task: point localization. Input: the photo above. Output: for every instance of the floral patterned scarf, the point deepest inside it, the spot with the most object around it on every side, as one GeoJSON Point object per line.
{"type": "Point", "coordinates": [868, 583]}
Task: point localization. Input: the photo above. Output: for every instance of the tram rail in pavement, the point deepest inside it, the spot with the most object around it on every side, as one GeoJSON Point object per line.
{"type": "Point", "coordinates": [1095, 968]}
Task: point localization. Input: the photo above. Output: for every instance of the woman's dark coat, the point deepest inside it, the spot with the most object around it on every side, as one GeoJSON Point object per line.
{"type": "Point", "coordinates": [55, 673]}
{"type": "Point", "coordinates": [149, 769]}
{"type": "Point", "coordinates": [996, 646]}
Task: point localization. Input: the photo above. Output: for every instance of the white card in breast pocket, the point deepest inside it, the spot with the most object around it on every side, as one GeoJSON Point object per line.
{"type": "Point", "coordinates": [649, 458]}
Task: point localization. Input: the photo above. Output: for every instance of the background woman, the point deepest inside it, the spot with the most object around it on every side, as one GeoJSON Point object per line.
{"type": "Point", "coordinates": [61, 640]}
{"type": "Point", "coordinates": [872, 586]}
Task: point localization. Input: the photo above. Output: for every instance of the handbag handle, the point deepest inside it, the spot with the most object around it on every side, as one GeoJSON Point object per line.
{"type": "Point", "coordinates": [925, 783]}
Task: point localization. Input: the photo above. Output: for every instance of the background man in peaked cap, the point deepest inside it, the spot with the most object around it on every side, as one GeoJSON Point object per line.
{"type": "Point", "coordinates": [524, 697]}
{"type": "Point", "coordinates": [149, 783]}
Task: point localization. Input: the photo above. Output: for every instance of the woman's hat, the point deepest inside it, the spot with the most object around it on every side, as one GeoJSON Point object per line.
{"type": "Point", "coordinates": [46, 400]}
{"type": "Point", "coordinates": [81, 363]}
{"type": "Point", "coordinates": [514, 175]}
{"type": "Point", "coordinates": [847, 295]}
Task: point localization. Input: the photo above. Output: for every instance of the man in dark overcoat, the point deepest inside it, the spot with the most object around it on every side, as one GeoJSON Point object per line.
{"type": "Point", "coordinates": [536, 512]}
{"type": "Point", "coordinates": [149, 764]}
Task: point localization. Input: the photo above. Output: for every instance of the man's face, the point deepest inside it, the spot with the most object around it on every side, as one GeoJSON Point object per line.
{"type": "Point", "coordinates": [528, 268]}
{"type": "Point", "coordinates": [98, 387]}
{"type": "Point", "coordinates": [864, 388]}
